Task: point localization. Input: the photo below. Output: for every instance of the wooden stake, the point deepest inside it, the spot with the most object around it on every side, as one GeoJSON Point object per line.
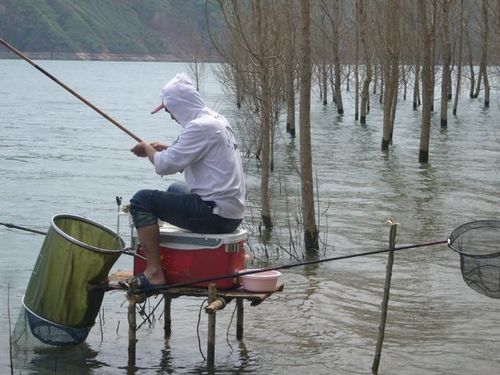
{"type": "Point", "coordinates": [167, 328]}
{"type": "Point", "coordinates": [132, 327]}
{"type": "Point", "coordinates": [10, 330]}
{"type": "Point", "coordinates": [212, 294]}
{"type": "Point", "coordinates": [385, 301]}
{"type": "Point", "coordinates": [239, 318]}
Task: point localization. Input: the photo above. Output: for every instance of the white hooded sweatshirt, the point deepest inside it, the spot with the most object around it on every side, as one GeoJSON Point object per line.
{"type": "Point", "coordinates": [206, 150]}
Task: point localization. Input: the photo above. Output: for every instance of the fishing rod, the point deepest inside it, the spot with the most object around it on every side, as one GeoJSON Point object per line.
{"type": "Point", "coordinates": [74, 93]}
{"type": "Point", "coordinates": [127, 251]}
{"type": "Point", "coordinates": [160, 288]}
{"type": "Point", "coordinates": [23, 228]}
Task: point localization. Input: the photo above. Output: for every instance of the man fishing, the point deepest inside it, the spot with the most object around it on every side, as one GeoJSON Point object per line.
{"type": "Point", "coordinates": [212, 200]}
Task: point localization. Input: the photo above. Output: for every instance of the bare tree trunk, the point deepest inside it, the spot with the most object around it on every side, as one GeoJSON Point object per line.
{"type": "Point", "coordinates": [336, 58]}
{"type": "Point", "coordinates": [338, 85]}
{"type": "Point", "coordinates": [290, 102]}
{"type": "Point", "coordinates": [433, 51]}
{"type": "Point", "coordinates": [331, 76]}
{"type": "Point", "coordinates": [445, 80]}
{"type": "Point", "coordinates": [483, 73]}
{"type": "Point", "coordinates": [290, 71]}
{"type": "Point", "coordinates": [427, 87]}
{"type": "Point", "coordinates": [460, 56]}
{"type": "Point", "coordinates": [416, 86]}
{"type": "Point", "coordinates": [367, 57]}
{"type": "Point", "coordinates": [310, 229]}
{"type": "Point", "coordinates": [484, 53]}
{"type": "Point", "coordinates": [469, 46]}
{"type": "Point", "coordinates": [356, 70]}
{"type": "Point", "coordinates": [239, 91]}
{"type": "Point", "coordinates": [498, 17]}
{"type": "Point", "coordinates": [348, 78]}
{"type": "Point", "coordinates": [404, 78]}
{"type": "Point", "coordinates": [486, 88]}
{"type": "Point", "coordinates": [265, 115]}
{"type": "Point", "coordinates": [382, 83]}
{"type": "Point", "coordinates": [391, 71]}
{"type": "Point", "coordinates": [324, 82]}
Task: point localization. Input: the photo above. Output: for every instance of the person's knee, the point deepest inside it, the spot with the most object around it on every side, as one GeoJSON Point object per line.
{"type": "Point", "coordinates": [141, 201]}
{"type": "Point", "coordinates": [141, 208]}
{"type": "Point", "coordinates": [178, 187]}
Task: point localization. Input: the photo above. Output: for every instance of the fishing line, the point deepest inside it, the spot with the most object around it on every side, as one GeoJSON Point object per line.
{"type": "Point", "coordinates": [71, 91]}
{"type": "Point", "coordinates": [198, 329]}
{"type": "Point", "coordinates": [229, 326]}
{"type": "Point", "coordinates": [145, 316]}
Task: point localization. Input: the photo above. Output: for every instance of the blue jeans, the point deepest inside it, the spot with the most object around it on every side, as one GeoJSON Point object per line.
{"type": "Point", "coordinates": [180, 208]}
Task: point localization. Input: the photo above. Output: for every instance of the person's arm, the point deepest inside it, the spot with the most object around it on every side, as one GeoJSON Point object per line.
{"type": "Point", "coordinates": [189, 147]}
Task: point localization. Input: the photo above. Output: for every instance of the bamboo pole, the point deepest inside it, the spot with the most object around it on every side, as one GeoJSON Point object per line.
{"type": "Point", "coordinates": [212, 294]}
{"type": "Point", "coordinates": [385, 301]}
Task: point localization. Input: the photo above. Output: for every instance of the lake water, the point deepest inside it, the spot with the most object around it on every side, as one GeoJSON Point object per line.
{"type": "Point", "coordinates": [58, 156]}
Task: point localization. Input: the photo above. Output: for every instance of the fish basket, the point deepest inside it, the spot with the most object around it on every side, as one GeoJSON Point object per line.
{"type": "Point", "coordinates": [77, 252]}
{"type": "Point", "coordinates": [477, 243]}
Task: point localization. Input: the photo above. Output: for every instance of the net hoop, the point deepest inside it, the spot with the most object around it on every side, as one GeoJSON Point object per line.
{"type": "Point", "coordinates": [87, 246]}
{"type": "Point", "coordinates": [454, 237]}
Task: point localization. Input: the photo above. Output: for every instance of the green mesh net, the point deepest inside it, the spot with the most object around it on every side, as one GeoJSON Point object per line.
{"type": "Point", "coordinates": [77, 252]}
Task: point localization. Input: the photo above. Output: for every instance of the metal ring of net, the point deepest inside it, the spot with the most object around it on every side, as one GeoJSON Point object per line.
{"type": "Point", "coordinates": [477, 243]}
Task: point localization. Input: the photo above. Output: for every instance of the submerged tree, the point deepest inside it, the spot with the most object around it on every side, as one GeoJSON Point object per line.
{"type": "Point", "coordinates": [459, 58]}
{"type": "Point", "coordinates": [255, 43]}
{"type": "Point", "coordinates": [332, 10]}
{"type": "Point", "coordinates": [391, 69]}
{"type": "Point", "coordinates": [446, 75]}
{"type": "Point", "coordinates": [310, 229]}
{"type": "Point", "coordinates": [427, 35]}
{"type": "Point", "coordinates": [365, 91]}
{"type": "Point", "coordinates": [483, 73]}
{"type": "Point", "coordinates": [289, 64]}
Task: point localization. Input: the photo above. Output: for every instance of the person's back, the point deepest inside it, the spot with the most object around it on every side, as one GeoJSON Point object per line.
{"type": "Point", "coordinates": [206, 150]}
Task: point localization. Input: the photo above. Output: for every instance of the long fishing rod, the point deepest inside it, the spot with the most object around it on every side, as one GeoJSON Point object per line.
{"type": "Point", "coordinates": [160, 288]}
{"type": "Point", "coordinates": [127, 251]}
{"type": "Point", "coordinates": [74, 93]}
{"type": "Point", "coordinates": [22, 228]}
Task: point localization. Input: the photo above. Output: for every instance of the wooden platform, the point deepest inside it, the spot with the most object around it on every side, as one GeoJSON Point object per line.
{"type": "Point", "coordinates": [217, 300]}
{"type": "Point", "coordinates": [191, 291]}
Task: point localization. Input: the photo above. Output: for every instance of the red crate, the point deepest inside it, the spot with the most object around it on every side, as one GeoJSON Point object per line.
{"type": "Point", "coordinates": [187, 256]}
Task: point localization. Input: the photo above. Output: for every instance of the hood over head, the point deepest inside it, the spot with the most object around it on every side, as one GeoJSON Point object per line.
{"type": "Point", "coordinates": [181, 99]}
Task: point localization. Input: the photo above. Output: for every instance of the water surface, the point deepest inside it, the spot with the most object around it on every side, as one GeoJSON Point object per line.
{"type": "Point", "coordinates": [58, 156]}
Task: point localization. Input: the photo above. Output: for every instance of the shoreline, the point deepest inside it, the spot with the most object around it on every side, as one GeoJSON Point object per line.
{"type": "Point", "coordinates": [102, 56]}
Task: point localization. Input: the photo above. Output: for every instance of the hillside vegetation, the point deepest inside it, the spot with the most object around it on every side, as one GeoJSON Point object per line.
{"type": "Point", "coordinates": [137, 27]}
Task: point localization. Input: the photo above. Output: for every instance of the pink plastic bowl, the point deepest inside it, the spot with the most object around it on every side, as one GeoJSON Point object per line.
{"type": "Point", "coordinates": [265, 281]}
